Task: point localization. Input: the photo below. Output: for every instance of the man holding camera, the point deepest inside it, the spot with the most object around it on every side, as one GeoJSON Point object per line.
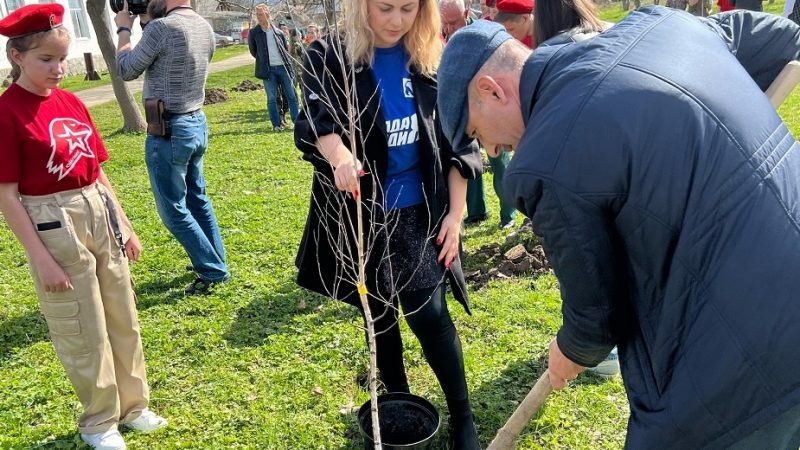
{"type": "Point", "coordinates": [175, 51]}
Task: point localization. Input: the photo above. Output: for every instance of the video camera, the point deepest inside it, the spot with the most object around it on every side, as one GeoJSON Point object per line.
{"type": "Point", "coordinates": [135, 7]}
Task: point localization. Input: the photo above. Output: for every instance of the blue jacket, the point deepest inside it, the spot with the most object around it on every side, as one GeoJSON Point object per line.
{"type": "Point", "coordinates": [667, 192]}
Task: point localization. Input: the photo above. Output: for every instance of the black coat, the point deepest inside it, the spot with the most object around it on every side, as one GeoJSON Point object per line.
{"type": "Point", "coordinates": [319, 269]}
{"type": "Point", "coordinates": [257, 42]}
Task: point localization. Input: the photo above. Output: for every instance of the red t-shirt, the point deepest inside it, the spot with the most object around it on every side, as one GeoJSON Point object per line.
{"type": "Point", "coordinates": [528, 41]}
{"type": "Point", "coordinates": [48, 144]}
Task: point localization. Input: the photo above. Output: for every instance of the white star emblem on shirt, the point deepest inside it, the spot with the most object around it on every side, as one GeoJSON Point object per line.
{"type": "Point", "coordinates": [74, 135]}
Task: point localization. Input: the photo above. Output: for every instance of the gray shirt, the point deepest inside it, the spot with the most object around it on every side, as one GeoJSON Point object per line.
{"type": "Point", "coordinates": [174, 53]}
{"type": "Point", "coordinates": [272, 46]}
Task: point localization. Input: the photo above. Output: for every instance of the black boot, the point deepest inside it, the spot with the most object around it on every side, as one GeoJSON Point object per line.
{"type": "Point", "coordinates": [462, 434]}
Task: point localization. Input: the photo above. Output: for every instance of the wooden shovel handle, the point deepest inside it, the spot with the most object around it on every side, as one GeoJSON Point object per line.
{"type": "Point", "coordinates": [507, 436]}
{"type": "Point", "coordinates": [784, 83]}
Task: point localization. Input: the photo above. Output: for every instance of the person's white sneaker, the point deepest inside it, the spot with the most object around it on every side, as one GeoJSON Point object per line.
{"type": "Point", "coordinates": [109, 440]}
{"type": "Point", "coordinates": [608, 368]}
{"type": "Point", "coordinates": [147, 422]}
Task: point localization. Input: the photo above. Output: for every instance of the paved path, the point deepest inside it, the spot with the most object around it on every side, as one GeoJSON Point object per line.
{"type": "Point", "coordinates": [102, 94]}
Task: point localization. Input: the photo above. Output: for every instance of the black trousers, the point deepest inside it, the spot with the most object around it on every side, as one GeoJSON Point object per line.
{"type": "Point", "coordinates": [428, 317]}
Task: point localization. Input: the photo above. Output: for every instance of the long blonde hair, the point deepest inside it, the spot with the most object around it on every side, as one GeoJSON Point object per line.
{"type": "Point", "coordinates": [423, 41]}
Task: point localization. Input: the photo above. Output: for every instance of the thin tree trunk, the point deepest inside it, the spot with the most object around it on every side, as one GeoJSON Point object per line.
{"type": "Point", "coordinates": [330, 12]}
{"type": "Point", "coordinates": [373, 365]}
{"type": "Point", "coordinates": [362, 291]}
{"type": "Point", "coordinates": [102, 28]}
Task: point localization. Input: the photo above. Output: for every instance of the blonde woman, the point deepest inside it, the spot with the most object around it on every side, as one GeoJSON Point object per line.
{"type": "Point", "coordinates": [409, 173]}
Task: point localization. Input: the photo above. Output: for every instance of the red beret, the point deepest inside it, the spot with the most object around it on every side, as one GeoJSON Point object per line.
{"type": "Point", "coordinates": [515, 6]}
{"type": "Point", "coordinates": [31, 19]}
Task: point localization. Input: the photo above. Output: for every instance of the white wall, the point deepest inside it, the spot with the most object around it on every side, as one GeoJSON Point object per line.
{"type": "Point", "coordinates": [78, 46]}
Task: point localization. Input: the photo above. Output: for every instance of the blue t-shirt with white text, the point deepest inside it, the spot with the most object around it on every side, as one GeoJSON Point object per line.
{"type": "Point", "coordinates": [403, 186]}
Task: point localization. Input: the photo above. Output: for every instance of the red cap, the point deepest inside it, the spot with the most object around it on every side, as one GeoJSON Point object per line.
{"type": "Point", "coordinates": [31, 19]}
{"type": "Point", "coordinates": [515, 6]}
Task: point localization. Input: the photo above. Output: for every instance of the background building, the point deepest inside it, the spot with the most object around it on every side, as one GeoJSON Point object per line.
{"type": "Point", "coordinates": [76, 20]}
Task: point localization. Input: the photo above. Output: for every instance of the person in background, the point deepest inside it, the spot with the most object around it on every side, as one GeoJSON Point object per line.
{"type": "Point", "coordinates": [455, 15]}
{"type": "Point", "coordinates": [296, 51]}
{"type": "Point", "coordinates": [701, 8]}
{"type": "Point", "coordinates": [488, 9]}
{"type": "Point", "coordinates": [566, 21]}
{"type": "Point", "coordinates": [725, 5]}
{"type": "Point", "coordinates": [677, 4]}
{"type": "Point", "coordinates": [312, 34]}
{"type": "Point", "coordinates": [174, 55]}
{"type": "Point", "coordinates": [270, 48]}
{"type": "Point", "coordinates": [751, 5]}
{"type": "Point", "coordinates": [283, 99]}
{"type": "Point", "coordinates": [517, 17]}
{"type": "Point", "coordinates": [285, 29]}
{"type": "Point", "coordinates": [676, 248]}
{"type": "Point", "coordinates": [412, 189]}
{"type": "Point", "coordinates": [57, 200]}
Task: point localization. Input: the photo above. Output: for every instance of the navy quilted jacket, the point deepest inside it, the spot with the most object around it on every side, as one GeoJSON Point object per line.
{"type": "Point", "coordinates": [667, 192]}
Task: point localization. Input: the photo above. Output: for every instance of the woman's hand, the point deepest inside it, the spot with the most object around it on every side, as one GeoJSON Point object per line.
{"type": "Point", "coordinates": [346, 175]}
{"type": "Point", "coordinates": [52, 276]}
{"type": "Point", "coordinates": [448, 238]}
{"type": "Point", "coordinates": [133, 248]}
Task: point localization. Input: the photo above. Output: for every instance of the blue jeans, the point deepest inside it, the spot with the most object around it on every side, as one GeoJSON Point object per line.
{"type": "Point", "coordinates": [175, 166]}
{"type": "Point", "coordinates": [278, 74]}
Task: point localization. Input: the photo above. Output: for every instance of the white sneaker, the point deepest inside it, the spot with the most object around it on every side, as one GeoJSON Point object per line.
{"type": "Point", "coordinates": [608, 368]}
{"type": "Point", "coordinates": [147, 422]}
{"type": "Point", "coordinates": [110, 440]}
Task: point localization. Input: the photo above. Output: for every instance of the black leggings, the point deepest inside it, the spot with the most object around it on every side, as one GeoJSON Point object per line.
{"type": "Point", "coordinates": [440, 343]}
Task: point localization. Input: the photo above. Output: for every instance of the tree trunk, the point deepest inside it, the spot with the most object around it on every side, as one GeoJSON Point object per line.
{"type": "Point", "coordinates": [102, 28]}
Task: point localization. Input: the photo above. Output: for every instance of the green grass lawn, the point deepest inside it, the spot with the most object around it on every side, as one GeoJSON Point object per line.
{"type": "Point", "coordinates": [244, 367]}
{"type": "Point", "coordinates": [222, 53]}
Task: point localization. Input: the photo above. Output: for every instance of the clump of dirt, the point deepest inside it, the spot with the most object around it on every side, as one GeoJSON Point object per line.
{"type": "Point", "coordinates": [246, 85]}
{"type": "Point", "coordinates": [520, 254]}
{"type": "Point", "coordinates": [215, 95]}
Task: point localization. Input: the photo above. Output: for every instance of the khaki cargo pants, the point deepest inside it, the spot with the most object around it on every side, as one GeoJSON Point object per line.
{"type": "Point", "coordinates": [94, 327]}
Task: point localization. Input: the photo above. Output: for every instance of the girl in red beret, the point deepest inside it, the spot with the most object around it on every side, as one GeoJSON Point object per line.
{"type": "Point", "coordinates": [517, 17]}
{"type": "Point", "coordinates": [62, 208]}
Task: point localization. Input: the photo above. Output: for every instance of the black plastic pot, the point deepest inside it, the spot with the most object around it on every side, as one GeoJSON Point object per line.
{"type": "Point", "coordinates": [408, 422]}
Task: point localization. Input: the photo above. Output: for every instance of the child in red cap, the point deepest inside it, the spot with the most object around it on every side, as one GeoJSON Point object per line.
{"type": "Point", "coordinates": [517, 17]}
{"type": "Point", "coordinates": [62, 208]}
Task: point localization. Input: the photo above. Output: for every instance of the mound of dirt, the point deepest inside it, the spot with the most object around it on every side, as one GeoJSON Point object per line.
{"type": "Point", "coordinates": [247, 85]}
{"type": "Point", "coordinates": [215, 95]}
{"type": "Point", "coordinates": [523, 255]}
